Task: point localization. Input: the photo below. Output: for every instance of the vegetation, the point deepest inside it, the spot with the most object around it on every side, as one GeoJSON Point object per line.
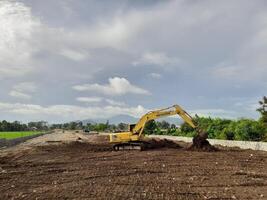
{"type": "Point", "coordinates": [92, 127]}
{"type": "Point", "coordinates": [17, 126]}
{"type": "Point", "coordinates": [99, 127]}
{"type": "Point", "coordinates": [11, 130]}
{"type": "Point", "coordinates": [263, 110]}
{"type": "Point", "coordinates": [242, 129]}
{"type": "Point", "coordinates": [14, 134]}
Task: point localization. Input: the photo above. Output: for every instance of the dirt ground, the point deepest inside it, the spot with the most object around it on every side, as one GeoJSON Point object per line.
{"type": "Point", "coordinates": [73, 166]}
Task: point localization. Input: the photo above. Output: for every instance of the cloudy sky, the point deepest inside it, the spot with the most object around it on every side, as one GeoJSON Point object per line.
{"type": "Point", "coordinates": [64, 60]}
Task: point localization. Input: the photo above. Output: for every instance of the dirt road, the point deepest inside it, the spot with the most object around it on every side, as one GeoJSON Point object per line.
{"type": "Point", "coordinates": [83, 167]}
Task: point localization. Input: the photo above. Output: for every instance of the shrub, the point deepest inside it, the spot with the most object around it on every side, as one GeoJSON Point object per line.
{"type": "Point", "coordinates": [249, 130]}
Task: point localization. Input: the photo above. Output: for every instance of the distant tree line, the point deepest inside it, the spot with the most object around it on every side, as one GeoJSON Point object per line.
{"type": "Point", "coordinates": [18, 126]}
{"type": "Point", "coordinates": [99, 127]}
{"type": "Point", "coordinates": [68, 126]}
{"type": "Point", "coordinates": [107, 127]}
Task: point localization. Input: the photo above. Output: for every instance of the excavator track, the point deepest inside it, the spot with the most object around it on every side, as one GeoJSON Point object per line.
{"type": "Point", "coordinates": [141, 146]}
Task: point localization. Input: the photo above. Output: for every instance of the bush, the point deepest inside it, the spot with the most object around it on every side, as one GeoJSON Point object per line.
{"type": "Point", "coordinates": [151, 127]}
{"type": "Point", "coordinates": [249, 130]}
{"type": "Point", "coordinates": [186, 128]}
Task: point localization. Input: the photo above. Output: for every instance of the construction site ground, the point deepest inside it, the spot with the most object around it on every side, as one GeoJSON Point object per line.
{"type": "Point", "coordinates": [72, 165]}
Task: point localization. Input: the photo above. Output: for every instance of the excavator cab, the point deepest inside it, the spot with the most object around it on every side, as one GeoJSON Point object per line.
{"type": "Point", "coordinates": [124, 136]}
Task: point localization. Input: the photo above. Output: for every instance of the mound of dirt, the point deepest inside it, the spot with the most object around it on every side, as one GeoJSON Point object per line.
{"type": "Point", "coordinates": [161, 143]}
{"type": "Point", "coordinates": [201, 144]}
{"type": "Point", "coordinates": [98, 139]}
{"type": "Point", "coordinates": [100, 142]}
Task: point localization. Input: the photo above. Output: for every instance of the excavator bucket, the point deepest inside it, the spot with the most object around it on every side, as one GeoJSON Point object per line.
{"type": "Point", "coordinates": [200, 142]}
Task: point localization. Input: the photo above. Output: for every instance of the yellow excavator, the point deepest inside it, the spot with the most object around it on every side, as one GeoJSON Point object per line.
{"type": "Point", "coordinates": [134, 138]}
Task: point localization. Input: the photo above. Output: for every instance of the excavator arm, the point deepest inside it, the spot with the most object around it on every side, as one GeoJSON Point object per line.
{"type": "Point", "coordinates": [173, 110]}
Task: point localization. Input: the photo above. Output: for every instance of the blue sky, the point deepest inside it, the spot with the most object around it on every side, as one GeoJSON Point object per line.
{"type": "Point", "coordinates": [65, 60]}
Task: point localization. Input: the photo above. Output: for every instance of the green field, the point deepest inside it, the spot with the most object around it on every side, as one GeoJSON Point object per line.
{"type": "Point", "coordinates": [13, 135]}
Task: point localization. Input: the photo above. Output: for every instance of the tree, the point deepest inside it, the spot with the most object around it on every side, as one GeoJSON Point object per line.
{"type": "Point", "coordinates": [80, 125]}
{"type": "Point", "coordinates": [101, 127]}
{"type": "Point", "coordinates": [173, 126]}
{"type": "Point", "coordinates": [263, 110]}
{"type": "Point", "coordinates": [122, 126]}
{"type": "Point", "coordinates": [12, 126]}
{"type": "Point", "coordinates": [72, 125]}
{"type": "Point", "coordinates": [56, 126]}
{"type": "Point", "coordinates": [186, 128]}
{"type": "Point", "coordinates": [41, 125]}
{"type": "Point", "coordinates": [112, 127]}
{"type": "Point", "coordinates": [163, 124]}
{"type": "Point", "coordinates": [5, 126]}
{"type": "Point", "coordinates": [246, 129]}
{"type": "Point", "coordinates": [151, 127]}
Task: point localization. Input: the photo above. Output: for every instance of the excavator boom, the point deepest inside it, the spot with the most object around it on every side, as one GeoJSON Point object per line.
{"type": "Point", "coordinates": [173, 110]}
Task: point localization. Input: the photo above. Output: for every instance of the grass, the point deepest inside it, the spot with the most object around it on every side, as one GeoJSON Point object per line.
{"type": "Point", "coordinates": [13, 135]}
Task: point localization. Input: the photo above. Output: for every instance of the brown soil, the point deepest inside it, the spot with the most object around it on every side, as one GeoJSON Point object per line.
{"type": "Point", "coordinates": [89, 169]}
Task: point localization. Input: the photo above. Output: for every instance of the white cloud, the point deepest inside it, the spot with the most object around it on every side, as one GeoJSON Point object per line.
{"type": "Point", "coordinates": [70, 112]}
{"type": "Point", "coordinates": [243, 69]}
{"type": "Point", "coordinates": [100, 99]}
{"type": "Point", "coordinates": [16, 29]}
{"type": "Point", "coordinates": [195, 35]}
{"type": "Point", "coordinates": [20, 95]}
{"type": "Point", "coordinates": [74, 55]}
{"type": "Point", "coordinates": [123, 29]}
{"type": "Point", "coordinates": [89, 99]}
{"type": "Point", "coordinates": [156, 58]}
{"type": "Point", "coordinates": [74, 44]}
{"type": "Point", "coordinates": [26, 87]}
{"type": "Point", "coordinates": [155, 75]}
{"type": "Point", "coordinates": [116, 86]}
{"type": "Point", "coordinates": [226, 70]}
{"type": "Point", "coordinates": [251, 104]}
{"type": "Point", "coordinates": [214, 113]}
{"type": "Point", "coordinates": [115, 103]}
{"type": "Point", "coordinates": [249, 63]}
{"type": "Point", "coordinates": [23, 90]}
{"type": "Point", "coordinates": [14, 71]}
{"type": "Point", "coordinates": [253, 107]}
